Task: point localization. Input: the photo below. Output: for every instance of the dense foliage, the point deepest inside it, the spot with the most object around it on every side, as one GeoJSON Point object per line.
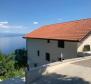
{"type": "Point", "coordinates": [20, 58]}
{"type": "Point", "coordinates": [7, 67]}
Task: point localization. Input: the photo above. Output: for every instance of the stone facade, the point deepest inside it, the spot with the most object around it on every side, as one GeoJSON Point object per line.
{"type": "Point", "coordinates": [38, 48]}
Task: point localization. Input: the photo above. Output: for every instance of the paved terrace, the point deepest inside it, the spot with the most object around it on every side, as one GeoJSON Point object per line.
{"type": "Point", "coordinates": [72, 71]}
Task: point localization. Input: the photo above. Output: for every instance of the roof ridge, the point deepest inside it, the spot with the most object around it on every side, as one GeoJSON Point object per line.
{"type": "Point", "coordinates": [67, 22]}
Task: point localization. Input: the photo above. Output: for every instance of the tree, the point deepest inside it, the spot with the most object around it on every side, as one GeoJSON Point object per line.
{"type": "Point", "coordinates": [7, 69]}
{"type": "Point", "coordinates": [6, 66]}
{"type": "Point", "coordinates": [20, 58]}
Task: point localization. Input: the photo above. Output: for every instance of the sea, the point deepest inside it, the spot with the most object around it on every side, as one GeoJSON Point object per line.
{"type": "Point", "coordinates": [8, 44]}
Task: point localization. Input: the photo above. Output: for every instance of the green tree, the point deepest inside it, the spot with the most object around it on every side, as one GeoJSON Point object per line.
{"type": "Point", "coordinates": [20, 58]}
{"type": "Point", "coordinates": [7, 69]}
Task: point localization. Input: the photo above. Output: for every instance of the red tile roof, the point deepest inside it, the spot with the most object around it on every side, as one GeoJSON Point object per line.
{"type": "Point", "coordinates": [73, 31]}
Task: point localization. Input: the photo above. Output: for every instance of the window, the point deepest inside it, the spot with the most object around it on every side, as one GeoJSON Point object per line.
{"type": "Point", "coordinates": [38, 53]}
{"type": "Point", "coordinates": [47, 56]}
{"type": "Point", "coordinates": [48, 41]}
{"type": "Point", "coordinates": [60, 43]}
{"type": "Point", "coordinates": [35, 65]}
{"type": "Point", "coordinates": [86, 48]}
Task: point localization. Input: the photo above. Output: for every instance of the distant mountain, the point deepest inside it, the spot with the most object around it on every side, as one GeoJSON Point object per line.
{"type": "Point", "coordinates": [10, 34]}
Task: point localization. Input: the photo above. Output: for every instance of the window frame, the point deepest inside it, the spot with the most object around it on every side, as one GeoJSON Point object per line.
{"type": "Point", "coordinates": [48, 41]}
{"type": "Point", "coordinates": [61, 44]}
{"type": "Point", "coordinates": [38, 53]}
{"type": "Point", "coordinates": [86, 47]}
{"type": "Point", "coordinates": [35, 64]}
{"type": "Point", "coordinates": [47, 56]}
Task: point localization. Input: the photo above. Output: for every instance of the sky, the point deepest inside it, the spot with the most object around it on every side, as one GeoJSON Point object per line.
{"type": "Point", "coordinates": [23, 16]}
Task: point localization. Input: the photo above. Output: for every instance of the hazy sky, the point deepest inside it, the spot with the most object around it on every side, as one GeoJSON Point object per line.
{"type": "Point", "coordinates": [22, 16]}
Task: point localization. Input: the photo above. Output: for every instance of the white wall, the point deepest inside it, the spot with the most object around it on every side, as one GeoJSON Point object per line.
{"type": "Point", "coordinates": [81, 44]}
{"type": "Point", "coordinates": [33, 45]}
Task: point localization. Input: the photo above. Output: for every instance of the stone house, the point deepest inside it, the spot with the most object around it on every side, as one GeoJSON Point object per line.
{"type": "Point", "coordinates": [59, 41]}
